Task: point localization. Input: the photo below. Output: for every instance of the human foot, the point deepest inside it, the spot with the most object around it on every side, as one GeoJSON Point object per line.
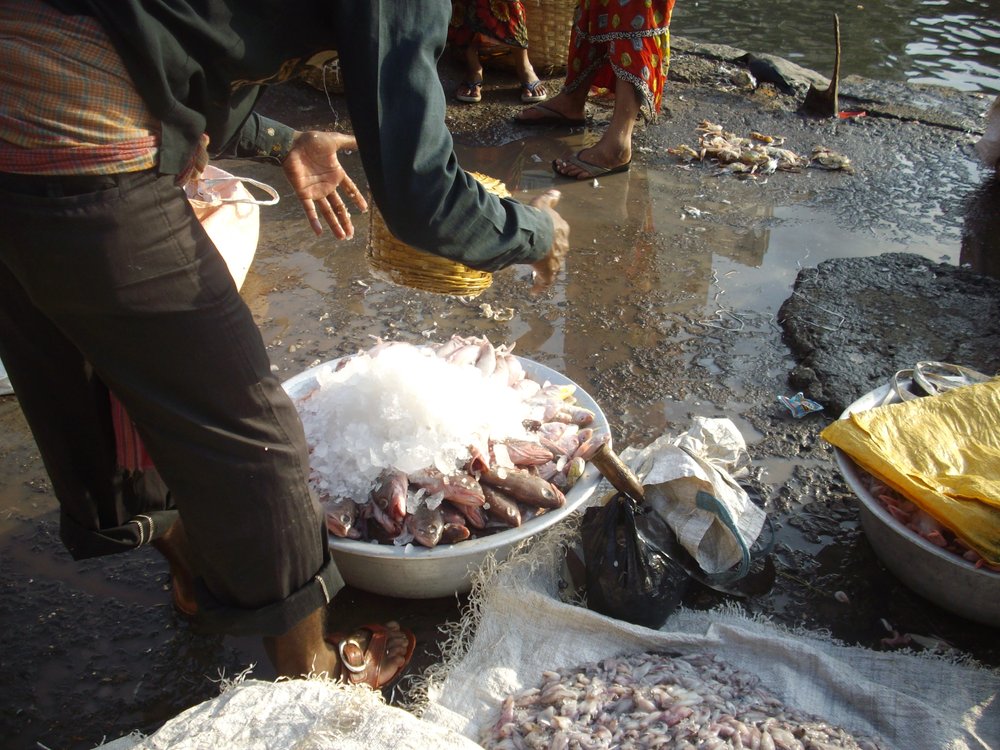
{"type": "Point", "coordinates": [548, 114]}
{"type": "Point", "coordinates": [173, 546]}
{"type": "Point", "coordinates": [533, 91]}
{"type": "Point", "coordinates": [373, 655]}
{"type": "Point", "coordinates": [595, 164]}
{"type": "Point", "coordinates": [470, 91]}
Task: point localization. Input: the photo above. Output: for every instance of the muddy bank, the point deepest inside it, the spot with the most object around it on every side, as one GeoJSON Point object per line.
{"type": "Point", "coordinates": [640, 319]}
{"type": "Point", "coordinates": [852, 322]}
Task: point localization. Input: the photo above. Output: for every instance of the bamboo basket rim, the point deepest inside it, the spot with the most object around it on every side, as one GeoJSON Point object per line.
{"type": "Point", "coordinates": [392, 260]}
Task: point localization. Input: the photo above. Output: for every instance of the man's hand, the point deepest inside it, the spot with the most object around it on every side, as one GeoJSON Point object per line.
{"type": "Point", "coordinates": [315, 173]}
{"type": "Point", "coordinates": [546, 269]}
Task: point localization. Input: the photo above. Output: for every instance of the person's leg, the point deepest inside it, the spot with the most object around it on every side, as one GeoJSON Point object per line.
{"type": "Point", "coordinates": [571, 105]}
{"type": "Point", "coordinates": [532, 89]}
{"type": "Point", "coordinates": [304, 650]}
{"type": "Point", "coordinates": [471, 89]}
{"type": "Point", "coordinates": [614, 149]}
{"type": "Point", "coordinates": [132, 283]}
{"type": "Point", "coordinates": [64, 401]}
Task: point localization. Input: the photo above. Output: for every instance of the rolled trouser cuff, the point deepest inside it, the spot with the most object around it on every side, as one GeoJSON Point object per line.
{"type": "Point", "coordinates": [273, 619]}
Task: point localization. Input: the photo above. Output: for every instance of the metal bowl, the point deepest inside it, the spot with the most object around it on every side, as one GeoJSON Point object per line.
{"type": "Point", "coordinates": [940, 576]}
{"type": "Point", "coordinates": [415, 572]}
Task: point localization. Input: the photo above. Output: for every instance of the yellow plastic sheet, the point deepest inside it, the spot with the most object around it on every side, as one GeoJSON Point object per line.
{"type": "Point", "coordinates": [941, 452]}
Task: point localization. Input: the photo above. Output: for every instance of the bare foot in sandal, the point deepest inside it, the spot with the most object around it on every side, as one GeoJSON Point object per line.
{"type": "Point", "coordinates": [373, 655]}
{"type": "Point", "coordinates": [562, 108]}
{"type": "Point", "coordinates": [591, 163]}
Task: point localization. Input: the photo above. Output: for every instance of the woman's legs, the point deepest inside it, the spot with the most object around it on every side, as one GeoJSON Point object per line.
{"type": "Point", "coordinates": [614, 149]}
{"type": "Point", "coordinates": [471, 89]}
{"type": "Point", "coordinates": [570, 104]}
{"type": "Point", "coordinates": [120, 280]}
{"type": "Point", "coordinates": [532, 89]}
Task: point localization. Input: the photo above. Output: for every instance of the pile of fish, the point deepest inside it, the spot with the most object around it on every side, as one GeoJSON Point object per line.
{"type": "Point", "coordinates": [759, 154]}
{"type": "Point", "coordinates": [922, 523]}
{"type": "Point", "coordinates": [656, 700]}
{"type": "Point", "coordinates": [456, 442]}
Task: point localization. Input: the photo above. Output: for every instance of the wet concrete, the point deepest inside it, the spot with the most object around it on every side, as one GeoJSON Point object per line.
{"type": "Point", "coordinates": [669, 308]}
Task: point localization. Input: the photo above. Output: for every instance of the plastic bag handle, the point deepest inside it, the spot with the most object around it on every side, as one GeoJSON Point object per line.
{"type": "Point", "coordinates": [246, 181]}
{"type": "Point", "coordinates": [710, 503]}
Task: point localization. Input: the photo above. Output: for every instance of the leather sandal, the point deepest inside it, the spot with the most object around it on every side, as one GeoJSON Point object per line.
{"type": "Point", "coordinates": [361, 663]}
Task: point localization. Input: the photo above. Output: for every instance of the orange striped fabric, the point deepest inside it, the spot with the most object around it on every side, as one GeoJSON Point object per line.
{"type": "Point", "coordinates": [68, 105]}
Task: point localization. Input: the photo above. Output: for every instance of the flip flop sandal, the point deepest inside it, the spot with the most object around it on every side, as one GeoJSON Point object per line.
{"type": "Point", "coordinates": [590, 171]}
{"type": "Point", "coordinates": [476, 92]}
{"type": "Point", "coordinates": [550, 117]}
{"type": "Point", "coordinates": [530, 92]}
{"type": "Point", "coordinates": [362, 665]}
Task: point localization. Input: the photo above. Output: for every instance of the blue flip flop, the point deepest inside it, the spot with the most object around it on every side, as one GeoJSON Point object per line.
{"type": "Point", "coordinates": [476, 87]}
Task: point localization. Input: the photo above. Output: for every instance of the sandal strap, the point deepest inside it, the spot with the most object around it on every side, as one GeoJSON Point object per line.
{"type": "Point", "coordinates": [530, 87]}
{"type": "Point", "coordinates": [370, 670]}
{"type": "Point", "coordinates": [345, 660]}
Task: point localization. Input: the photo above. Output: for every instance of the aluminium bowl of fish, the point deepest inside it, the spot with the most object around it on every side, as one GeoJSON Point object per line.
{"type": "Point", "coordinates": [937, 574]}
{"type": "Point", "coordinates": [400, 567]}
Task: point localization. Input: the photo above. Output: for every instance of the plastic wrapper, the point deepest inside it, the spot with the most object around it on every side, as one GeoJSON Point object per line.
{"type": "Point", "coordinates": [940, 452]}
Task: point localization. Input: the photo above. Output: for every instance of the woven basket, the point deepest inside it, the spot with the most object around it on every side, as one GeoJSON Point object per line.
{"type": "Point", "coordinates": [549, 23]}
{"type": "Point", "coordinates": [391, 260]}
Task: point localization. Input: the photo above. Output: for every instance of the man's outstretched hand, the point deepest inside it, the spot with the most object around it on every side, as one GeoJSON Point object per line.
{"type": "Point", "coordinates": [546, 269]}
{"type": "Point", "coordinates": [315, 173]}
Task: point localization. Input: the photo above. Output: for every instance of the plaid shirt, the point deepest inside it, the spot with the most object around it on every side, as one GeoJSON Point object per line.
{"type": "Point", "coordinates": [68, 105]}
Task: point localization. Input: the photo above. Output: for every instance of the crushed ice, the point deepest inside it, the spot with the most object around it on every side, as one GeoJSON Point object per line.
{"type": "Point", "coordinates": [401, 407]}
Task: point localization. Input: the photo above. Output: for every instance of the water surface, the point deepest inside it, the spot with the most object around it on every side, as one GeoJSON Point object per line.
{"type": "Point", "coordinates": [947, 42]}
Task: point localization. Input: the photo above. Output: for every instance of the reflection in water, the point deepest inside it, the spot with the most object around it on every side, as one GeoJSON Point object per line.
{"type": "Point", "coordinates": [981, 231]}
{"type": "Point", "coordinates": [950, 42]}
{"type": "Point", "coordinates": [659, 256]}
{"type": "Point", "coordinates": [645, 246]}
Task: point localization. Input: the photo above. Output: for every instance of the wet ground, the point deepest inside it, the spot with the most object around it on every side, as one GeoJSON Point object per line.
{"type": "Point", "coordinates": [668, 309]}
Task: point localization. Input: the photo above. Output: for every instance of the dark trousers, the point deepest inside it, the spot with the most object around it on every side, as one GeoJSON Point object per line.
{"type": "Point", "coordinates": [110, 282]}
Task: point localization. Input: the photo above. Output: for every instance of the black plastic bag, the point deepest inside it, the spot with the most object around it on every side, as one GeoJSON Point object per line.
{"type": "Point", "coordinates": [627, 576]}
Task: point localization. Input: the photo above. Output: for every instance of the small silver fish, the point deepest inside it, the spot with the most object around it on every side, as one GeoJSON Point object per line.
{"type": "Point", "coordinates": [389, 493]}
{"type": "Point", "coordinates": [501, 506]}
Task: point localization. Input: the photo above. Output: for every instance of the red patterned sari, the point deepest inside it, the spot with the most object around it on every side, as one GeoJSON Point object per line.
{"type": "Point", "coordinates": [621, 39]}
{"type": "Point", "coordinates": [501, 20]}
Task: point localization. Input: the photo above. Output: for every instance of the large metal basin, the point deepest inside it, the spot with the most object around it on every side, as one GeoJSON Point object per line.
{"type": "Point", "coordinates": [937, 575]}
{"type": "Point", "coordinates": [415, 572]}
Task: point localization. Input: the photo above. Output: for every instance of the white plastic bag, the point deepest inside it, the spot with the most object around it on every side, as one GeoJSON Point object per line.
{"type": "Point", "coordinates": [5, 387]}
{"type": "Point", "coordinates": [230, 214]}
{"type": "Point", "coordinates": [690, 481]}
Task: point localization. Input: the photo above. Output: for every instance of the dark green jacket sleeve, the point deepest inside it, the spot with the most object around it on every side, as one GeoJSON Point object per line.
{"type": "Point", "coordinates": [261, 137]}
{"type": "Point", "coordinates": [388, 53]}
